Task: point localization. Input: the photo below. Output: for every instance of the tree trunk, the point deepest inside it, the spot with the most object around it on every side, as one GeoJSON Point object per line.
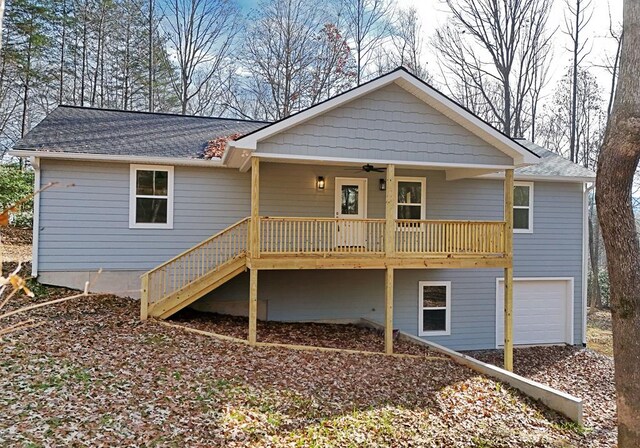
{"type": "Point", "coordinates": [616, 167]}
{"type": "Point", "coordinates": [63, 40]}
{"type": "Point", "coordinates": [574, 86]}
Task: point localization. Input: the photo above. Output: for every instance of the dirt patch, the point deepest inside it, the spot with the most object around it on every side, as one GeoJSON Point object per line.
{"type": "Point", "coordinates": [579, 372]}
{"type": "Point", "coordinates": [94, 375]}
{"type": "Point", "coordinates": [344, 336]}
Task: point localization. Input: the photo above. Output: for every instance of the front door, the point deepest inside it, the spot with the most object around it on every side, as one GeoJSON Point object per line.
{"type": "Point", "coordinates": [351, 204]}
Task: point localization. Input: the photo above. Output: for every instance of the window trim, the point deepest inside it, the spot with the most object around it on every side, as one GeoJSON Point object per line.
{"type": "Point", "coordinates": [423, 199]}
{"type": "Point", "coordinates": [133, 169]}
{"type": "Point", "coordinates": [522, 207]}
{"type": "Point", "coordinates": [447, 308]}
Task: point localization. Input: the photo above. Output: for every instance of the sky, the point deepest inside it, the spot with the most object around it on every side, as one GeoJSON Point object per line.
{"type": "Point", "coordinates": [435, 14]}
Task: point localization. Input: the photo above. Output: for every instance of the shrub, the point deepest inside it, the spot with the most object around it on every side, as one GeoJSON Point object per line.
{"type": "Point", "coordinates": [16, 184]}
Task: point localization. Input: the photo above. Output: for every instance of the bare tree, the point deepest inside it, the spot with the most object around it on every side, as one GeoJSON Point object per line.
{"type": "Point", "coordinates": [367, 24]}
{"type": "Point", "coordinates": [617, 165]}
{"type": "Point", "coordinates": [201, 34]}
{"type": "Point", "coordinates": [577, 17]}
{"type": "Point", "coordinates": [408, 43]}
{"type": "Point", "coordinates": [493, 51]}
{"type": "Point", "coordinates": [294, 59]}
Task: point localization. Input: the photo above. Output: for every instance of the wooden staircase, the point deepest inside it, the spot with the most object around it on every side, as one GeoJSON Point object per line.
{"type": "Point", "coordinates": [179, 282]}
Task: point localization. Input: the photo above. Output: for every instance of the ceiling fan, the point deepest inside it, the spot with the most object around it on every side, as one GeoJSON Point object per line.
{"type": "Point", "coordinates": [368, 168]}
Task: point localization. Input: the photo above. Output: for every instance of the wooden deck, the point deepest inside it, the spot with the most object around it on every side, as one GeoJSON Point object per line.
{"type": "Point", "coordinates": [267, 243]}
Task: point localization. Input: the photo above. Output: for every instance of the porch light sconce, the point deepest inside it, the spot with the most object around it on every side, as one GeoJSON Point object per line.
{"type": "Point", "coordinates": [383, 184]}
{"type": "Point", "coordinates": [320, 182]}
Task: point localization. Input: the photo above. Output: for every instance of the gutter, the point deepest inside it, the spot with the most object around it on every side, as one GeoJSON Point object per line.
{"type": "Point", "coordinates": [217, 163]}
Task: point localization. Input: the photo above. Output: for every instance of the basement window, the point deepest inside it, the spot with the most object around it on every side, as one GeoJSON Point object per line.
{"type": "Point", "coordinates": [151, 197]}
{"type": "Point", "coordinates": [434, 308]}
{"type": "Point", "coordinates": [523, 207]}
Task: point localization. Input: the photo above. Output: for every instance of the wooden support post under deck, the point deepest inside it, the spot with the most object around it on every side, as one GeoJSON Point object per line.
{"type": "Point", "coordinates": [388, 315]}
{"type": "Point", "coordinates": [144, 298]}
{"type": "Point", "coordinates": [508, 271]}
{"type": "Point", "coordinates": [253, 305]}
{"type": "Point", "coordinates": [390, 212]}
{"type": "Point", "coordinates": [254, 232]}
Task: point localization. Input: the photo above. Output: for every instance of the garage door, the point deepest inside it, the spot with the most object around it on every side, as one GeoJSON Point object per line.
{"type": "Point", "coordinates": [541, 311]}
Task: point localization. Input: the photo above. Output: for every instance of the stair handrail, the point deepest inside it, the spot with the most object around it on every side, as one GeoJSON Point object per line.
{"type": "Point", "coordinates": [197, 246]}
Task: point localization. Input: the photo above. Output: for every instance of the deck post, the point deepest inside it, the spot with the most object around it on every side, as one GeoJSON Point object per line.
{"type": "Point", "coordinates": [144, 298]}
{"type": "Point", "coordinates": [508, 271]}
{"type": "Point", "coordinates": [390, 214]}
{"type": "Point", "coordinates": [388, 315]}
{"type": "Point", "coordinates": [253, 305]}
{"type": "Point", "coordinates": [254, 233]}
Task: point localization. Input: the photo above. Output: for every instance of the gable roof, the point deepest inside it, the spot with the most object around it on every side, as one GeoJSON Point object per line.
{"type": "Point", "coordinates": [84, 130]}
{"type": "Point", "coordinates": [413, 85]}
{"type": "Point", "coordinates": [553, 165]}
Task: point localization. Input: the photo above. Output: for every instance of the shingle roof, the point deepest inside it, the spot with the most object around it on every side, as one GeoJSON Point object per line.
{"type": "Point", "coordinates": [552, 164]}
{"type": "Point", "coordinates": [111, 132]}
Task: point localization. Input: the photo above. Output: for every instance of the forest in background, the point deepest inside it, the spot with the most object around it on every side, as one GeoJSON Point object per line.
{"type": "Point", "coordinates": [212, 58]}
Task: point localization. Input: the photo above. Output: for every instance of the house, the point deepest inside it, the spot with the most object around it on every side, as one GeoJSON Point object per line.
{"type": "Point", "coordinates": [389, 202]}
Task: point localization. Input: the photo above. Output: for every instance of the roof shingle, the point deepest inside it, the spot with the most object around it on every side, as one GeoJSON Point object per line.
{"type": "Point", "coordinates": [110, 132]}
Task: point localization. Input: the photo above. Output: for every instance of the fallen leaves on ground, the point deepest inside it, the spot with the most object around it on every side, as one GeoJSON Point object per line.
{"type": "Point", "coordinates": [11, 235]}
{"type": "Point", "coordinates": [94, 375]}
{"type": "Point", "coordinates": [579, 372]}
{"type": "Point", "coordinates": [343, 336]}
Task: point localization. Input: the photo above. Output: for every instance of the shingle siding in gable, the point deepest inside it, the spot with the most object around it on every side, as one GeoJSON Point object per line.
{"type": "Point", "coordinates": [388, 124]}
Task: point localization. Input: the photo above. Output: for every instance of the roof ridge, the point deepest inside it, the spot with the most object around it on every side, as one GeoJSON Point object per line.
{"type": "Point", "coordinates": [169, 114]}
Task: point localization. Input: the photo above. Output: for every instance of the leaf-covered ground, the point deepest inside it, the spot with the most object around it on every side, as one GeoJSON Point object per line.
{"type": "Point", "coordinates": [599, 332]}
{"type": "Point", "coordinates": [93, 375]}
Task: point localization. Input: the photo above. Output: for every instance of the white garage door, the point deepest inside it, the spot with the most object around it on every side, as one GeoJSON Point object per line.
{"type": "Point", "coordinates": [542, 310]}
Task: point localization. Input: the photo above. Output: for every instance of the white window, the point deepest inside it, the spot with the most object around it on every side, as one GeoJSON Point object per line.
{"type": "Point", "coordinates": [151, 197]}
{"type": "Point", "coordinates": [411, 198]}
{"type": "Point", "coordinates": [523, 207]}
{"type": "Point", "coordinates": [434, 308]}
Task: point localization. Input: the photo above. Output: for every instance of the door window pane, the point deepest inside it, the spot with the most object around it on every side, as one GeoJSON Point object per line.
{"type": "Point", "coordinates": [349, 204]}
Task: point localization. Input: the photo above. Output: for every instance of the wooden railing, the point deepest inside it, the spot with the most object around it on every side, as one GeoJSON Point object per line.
{"type": "Point", "coordinates": [323, 236]}
{"type": "Point", "coordinates": [197, 261]}
{"type": "Point", "coordinates": [450, 237]}
{"type": "Point", "coordinates": [289, 235]}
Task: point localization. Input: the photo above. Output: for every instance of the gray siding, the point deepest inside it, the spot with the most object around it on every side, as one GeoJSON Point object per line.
{"type": "Point", "coordinates": [86, 227]}
{"type": "Point", "coordinates": [554, 249]}
{"type": "Point", "coordinates": [388, 124]}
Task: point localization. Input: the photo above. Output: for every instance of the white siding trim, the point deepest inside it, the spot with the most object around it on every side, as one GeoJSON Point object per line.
{"type": "Point", "coordinates": [295, 158]}
{"type": "Point", "coordinates": [35, 162]}
{"type": "Point", "coordinates": [530, 228]}
{"type": "Point", "coordinates": [447, 331]}
{"type": "Point", "coordinates": [132, 197]}
{"type": "Point", "coordinates": [178, 161]}
{"type": "Point", "coordinates": [569, 339]}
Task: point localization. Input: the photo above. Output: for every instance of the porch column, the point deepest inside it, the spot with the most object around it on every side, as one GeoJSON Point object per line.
{"type": "Point", "coordinates": [254, 233]}
{"type": "Point", "coordinates": [388, 313]}
{"type": "Point", "coordinates": [253, 305]}
{"type": "Point", "coordinates": [508, 271]}
{"type": "Point", "coordinates": [390, 212]}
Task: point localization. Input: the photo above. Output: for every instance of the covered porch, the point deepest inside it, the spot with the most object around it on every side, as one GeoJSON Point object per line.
{"type": "Point", "coordinates": [399, 239]}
